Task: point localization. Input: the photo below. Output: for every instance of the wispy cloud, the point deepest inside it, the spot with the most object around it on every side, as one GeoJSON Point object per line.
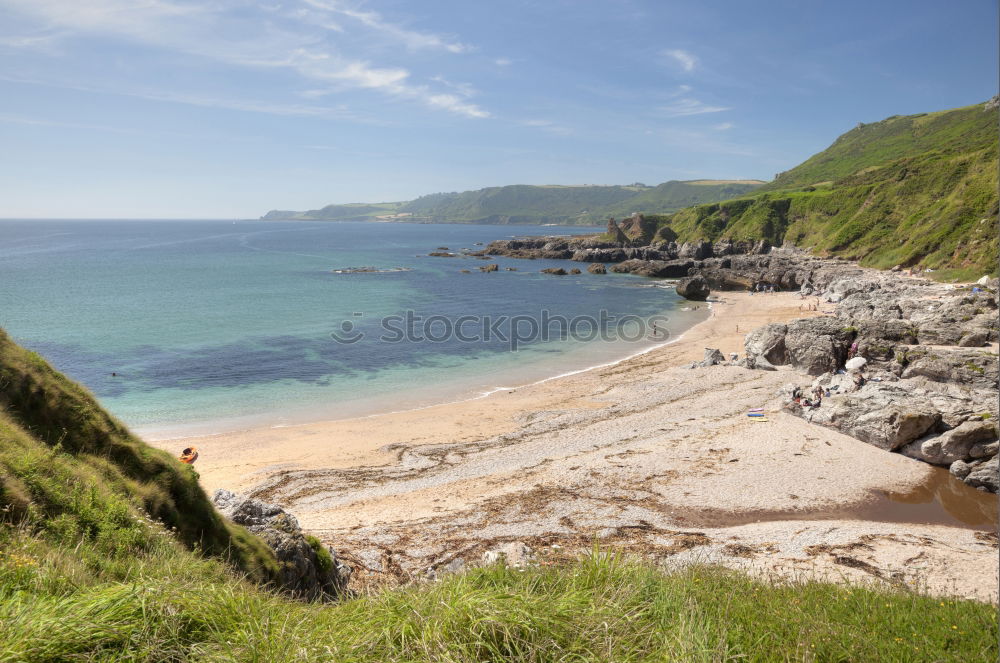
{"type": "Point", "coordinates": [213, 32]}
{"type": "Point", "coordinates": [410, 38]}
{"type": "Point", "coordinates": [339, 111]}
{"type": "Point", "coordinates": [503, 62]}
{"type": "Point", "coordinates": [686, 60]}
{"type": "Point", "coordinates": [724, 126]}
{"type": "Point", "coordinates": [548, 125]}
{"type": "Point", "coordinates": [689, 106]}
{"type": "Point", "coordinates": [463, 89]}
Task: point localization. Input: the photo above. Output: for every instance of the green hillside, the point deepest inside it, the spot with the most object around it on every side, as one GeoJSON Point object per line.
{"type": "Point", "coordinates": [77, 477]}
{"type": "Point", "coordinates": [109, 551]}
{"type": "Point", "coordinates": [919, 190]}
{"type": "Point", "coordinates": [347, 212]}
{"type": "Point", "coordinates": [950, 132]}
{"type": "Point", "coordinates": [528, 204]}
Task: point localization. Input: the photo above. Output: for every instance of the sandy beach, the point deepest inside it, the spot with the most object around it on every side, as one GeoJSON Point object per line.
{"type": "Point", "coordinates": [646, 455]}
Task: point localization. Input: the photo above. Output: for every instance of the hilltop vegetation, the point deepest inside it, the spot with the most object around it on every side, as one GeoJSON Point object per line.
{"type": "Point", "coordinates": [919, 190]}
{"type": "Point", "coordinates": [527, 204]}
{"type": "Point", "coordinates": [109, 550]}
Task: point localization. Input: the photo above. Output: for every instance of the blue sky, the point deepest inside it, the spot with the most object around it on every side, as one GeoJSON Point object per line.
{"type": "Point", "coordinates": [229, 108]}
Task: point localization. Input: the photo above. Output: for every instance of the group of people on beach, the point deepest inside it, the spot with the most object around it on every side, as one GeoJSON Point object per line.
{"type": "Point", "coordinates": [813, 401]}
{"type": "Point", "coordinates": [763, 288]}
{"type": "Point", "coordinates": [808, 306]}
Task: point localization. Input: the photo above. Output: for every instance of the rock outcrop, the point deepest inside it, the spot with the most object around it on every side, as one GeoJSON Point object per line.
{"type": "Point", "coordinates": [934, 392]}
{"type": "Point", "coordinates": [309, 570]}
{"type": "Point", "coordinates": [694, 288]}
{"type": "Point", "coordinates": [713, 357]}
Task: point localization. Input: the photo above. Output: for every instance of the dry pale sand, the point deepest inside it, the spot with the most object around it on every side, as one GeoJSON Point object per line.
{"type": "Point", "coordinates": [645, 455]}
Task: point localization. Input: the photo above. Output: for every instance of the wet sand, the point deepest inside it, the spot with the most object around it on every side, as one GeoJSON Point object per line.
{"type": "Point", "coordinates": [646, 455]}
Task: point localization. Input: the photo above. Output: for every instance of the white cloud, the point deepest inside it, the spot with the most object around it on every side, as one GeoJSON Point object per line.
{"type": "Point", "coordinates": [338, 111]}
{"type": "Point", "coordinates": [724, 126]}
{"type": "Point", "coordinates": [689, 106]}
{"type": "Point", "coordinates": [454, 104]}
{"type": "Point", "coordinates": [463, 89]}
{"type": "Point", "coordinates": [503, 62]}
{"type": "Point", "coordinates": [213, 32]}
{"type": "Point", "coordinates": [548, 125]}
{"type": "Point", "coordinates": [409, 38]}
{"type": "Point", "coordinates": [686, 60]}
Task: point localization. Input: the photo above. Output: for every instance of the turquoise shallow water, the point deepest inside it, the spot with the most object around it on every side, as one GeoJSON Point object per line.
{"type": "Point", "coordinates": [216, 325]}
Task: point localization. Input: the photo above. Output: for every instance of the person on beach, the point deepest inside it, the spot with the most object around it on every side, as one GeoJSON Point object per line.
{"type": "Point", "coordinates": [853, 351]}
{"type": "Point", "coordinates": [859, 381]}
{"type": "Point", "coordinates": [817, 396]}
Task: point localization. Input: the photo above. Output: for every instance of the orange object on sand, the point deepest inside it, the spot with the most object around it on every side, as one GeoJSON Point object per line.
{"type": "Point", "coordinates": [189, 455]}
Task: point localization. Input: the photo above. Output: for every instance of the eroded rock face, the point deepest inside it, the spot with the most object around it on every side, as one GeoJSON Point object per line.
{"type": "Point", "coordinates": [952, 445]}
{"type": "Point", "coordinates": [817, 345]}
{"type": "Point", "coordinates": [694, 288]}
{"type": "Point", "coordinates": [951, 365]}
{"type": "Point", "coordinates": [765, 347]}
{"type": "Point", "coordinates": [305, 573]}
{"type": "Point", "coordinates": [654, 268]}
{"type": "Point", "coordinates": [985, 475]}
{"type": "Point", "coordinates": [880, 415]}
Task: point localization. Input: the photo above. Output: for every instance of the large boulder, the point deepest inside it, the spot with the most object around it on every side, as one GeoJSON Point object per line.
{"type": "Point", "coordinates": [713, 356]}
{"type": "Point", "coordinates": [308, 569]}
{"type": "Point", "coordinates": [597, 268]}
{"type": "Point", "coordinates": [985, 475]}
{"type": "Point", "coordinates": [818, 345]}
{"type": "Point", "coordinates": [882, 415]}
{"type": "Point", "coordinates": [696, 250]}
{"type": "Point", "coordinates": [694, 288]}
{"type": "Point", "coordinates": [952, 445]}
{"type": "Point", "coordinates": [765, 347]}
{"type": "Point", "coordinates": [840, 289]}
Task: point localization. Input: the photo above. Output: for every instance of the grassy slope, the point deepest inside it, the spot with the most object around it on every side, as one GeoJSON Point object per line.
{"type": "Point", "coordinates": [76, 476]}
{"type": "Point", "coordinates": [917, 190]}
{"type": "Point", "coordinates": [951, 132]}
{"type": "Point", "coordinates": [87, 574]}
{"type": "Point", "coordinates": [523, 203]}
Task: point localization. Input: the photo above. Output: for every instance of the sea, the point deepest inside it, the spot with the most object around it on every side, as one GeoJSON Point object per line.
{"type": "Point", "coordinates": [191, 327]}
